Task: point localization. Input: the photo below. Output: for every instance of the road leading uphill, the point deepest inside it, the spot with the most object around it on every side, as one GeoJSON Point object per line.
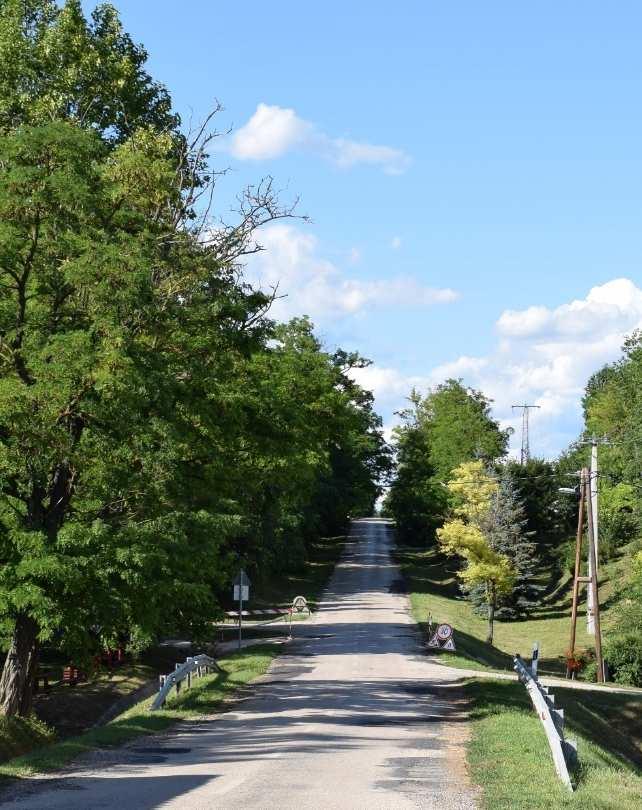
{"type": "Point", "coordinates": [354, 716]}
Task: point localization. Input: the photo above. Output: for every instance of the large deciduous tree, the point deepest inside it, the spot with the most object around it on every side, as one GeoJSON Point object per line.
{"type": "Point", "coordinates": [118, 322]}
{"type": "Point", "coordinates": [155, 425]}
{"type": "Point", "coordinates": [451, 425]}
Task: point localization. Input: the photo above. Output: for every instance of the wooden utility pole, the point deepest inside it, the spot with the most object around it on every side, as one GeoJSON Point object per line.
{"type": "Point", "coordinates": [594, 441]}
{"type": "Point", "coordinates": [591, 581]}
{"type": "Point", "coordinates": [593, 586]}
{"type": "Point", "coordinates": [578, 563]}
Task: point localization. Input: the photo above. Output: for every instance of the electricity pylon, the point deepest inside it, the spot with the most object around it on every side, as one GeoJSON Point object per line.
{"type": "Point", "coordinates": [526, 452]}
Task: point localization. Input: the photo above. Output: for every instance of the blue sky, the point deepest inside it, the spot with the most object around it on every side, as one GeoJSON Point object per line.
{"type": "Point", "coordinates": [471, 170]}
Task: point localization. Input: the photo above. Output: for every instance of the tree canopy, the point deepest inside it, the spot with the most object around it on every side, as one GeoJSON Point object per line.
{"type": "Point", "coordinates": [451, 425]}
{"type": "Point", "coordinates": [156, 426]}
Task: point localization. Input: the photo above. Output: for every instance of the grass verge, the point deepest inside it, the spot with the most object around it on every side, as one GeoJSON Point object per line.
{"type": "Point", "coordinates": [203, 698]}
{"type": "Point", "coordinates": [510, 759]}
{"type": "Point", "coordinates": [434, 590]}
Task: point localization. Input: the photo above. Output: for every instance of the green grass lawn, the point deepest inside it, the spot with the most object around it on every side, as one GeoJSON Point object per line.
{"type": "Point", "coordinates": [203, 698]}
{"type": "Point", "coordinates": [508, 753]}
{"type": "Point", "coordinates": [510, 759]}
{"type": "Point", "coordinates": [434, 589]}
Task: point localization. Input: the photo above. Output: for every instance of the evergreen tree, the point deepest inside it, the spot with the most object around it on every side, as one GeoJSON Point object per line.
{"type": "Point", "coordinates": [506, 529]}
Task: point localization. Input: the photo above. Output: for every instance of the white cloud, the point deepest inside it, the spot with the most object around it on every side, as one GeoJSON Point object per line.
{"type": "Point", "coordinates": [316, 287]}
{"type": "Point", "coordinates": [604, 308]}
{"type": "Point", "coordinates": [395, 242]}
{"type": "Point", "coordinates": [390, 387]}
{"type": "Point", "coordinates": [272, 131]}
{"type": "Point", "coordinates": [544, 357]}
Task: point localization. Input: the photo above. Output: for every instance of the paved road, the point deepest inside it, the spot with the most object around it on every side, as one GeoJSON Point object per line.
{"type": "Point", "coordinates": [352, 717]}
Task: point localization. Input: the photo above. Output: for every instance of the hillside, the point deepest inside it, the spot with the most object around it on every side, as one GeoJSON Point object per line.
{"type": "Point", "coordinates": [434, 590]}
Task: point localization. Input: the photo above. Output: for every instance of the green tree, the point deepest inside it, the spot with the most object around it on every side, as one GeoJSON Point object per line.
{"type": "Point", "coordinates": [450, 425]}
{"type": "Point", "coordinates": [415, 500]}
{"type": "Point", "coordinates": [550, 517]}
{"type": "Point", "coordinates": [57, 65]}
{"type": "Point", "coordinates": [459, 427]}
{"type": "Point", "coordinates": [155, 424]}
{"type": "Point", "coordinates": [118, 324]}
{"type": "Point", "coordinates": [310, 450]}
{"type": "Point", "coordinates": [506, 528]}
{"type": "Point", "coordinates": [467, 535]}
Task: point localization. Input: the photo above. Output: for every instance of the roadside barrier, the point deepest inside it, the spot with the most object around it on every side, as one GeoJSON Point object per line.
{"type": "Point", "coordinates": [564, 752]}
{"type": "Point", "coordinates": [299, 605]}
{"type": "Point", "coordinates": [195, 666]}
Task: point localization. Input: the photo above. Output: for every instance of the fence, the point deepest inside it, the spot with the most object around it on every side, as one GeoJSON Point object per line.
{"type": "Point", "coordinates": [564, 751]}
{"type": "Point", "coordinates": [195, 666]}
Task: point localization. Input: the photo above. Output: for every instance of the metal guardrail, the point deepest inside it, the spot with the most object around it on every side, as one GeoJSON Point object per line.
{"type": "Point", "coordinates": [564, 751]}
{"type": "Point", "coordinates": [197, 666]}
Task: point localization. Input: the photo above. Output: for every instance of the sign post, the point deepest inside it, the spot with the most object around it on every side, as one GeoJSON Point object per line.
{"type": "Point", "coordinates": [241, 594]}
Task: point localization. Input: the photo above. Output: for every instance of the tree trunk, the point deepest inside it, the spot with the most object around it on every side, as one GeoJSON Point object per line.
{"type": "Point", "coordinates": [491, 616]}
{"type": "Point", "coordinates": [18, 675]}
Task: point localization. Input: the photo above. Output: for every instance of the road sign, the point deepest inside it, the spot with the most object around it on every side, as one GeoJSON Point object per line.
{"type": "Point", "coordinates": [242, 579]}
{"type": "Point", "coordinates": [442, 639]}
{"type": "Point", "coordinates": [299, 604]}
{"type": "Point", "coordinates": [241, 593]}
{"type": "Point", "coordinates": [444, 631]}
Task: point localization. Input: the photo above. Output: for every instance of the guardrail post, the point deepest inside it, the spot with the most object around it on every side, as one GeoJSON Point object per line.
{"type": "Point", "coordinates": [535, 659]}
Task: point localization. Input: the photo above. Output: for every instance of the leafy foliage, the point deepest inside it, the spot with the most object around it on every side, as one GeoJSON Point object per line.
{"type": "Point", "coordinates": [623, 648]}
{"type": "Point", "coordinates": [439, 432]}
{"type": "Point", "coordinates": [480, 533]}
{"type": "Point", "coordinates": [156, 427]}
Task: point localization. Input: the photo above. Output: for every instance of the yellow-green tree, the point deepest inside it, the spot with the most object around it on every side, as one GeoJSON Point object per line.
{"type": "Point", "coordinates": [464, 536]}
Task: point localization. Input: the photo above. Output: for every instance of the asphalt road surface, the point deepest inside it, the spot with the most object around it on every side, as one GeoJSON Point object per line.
{"type": "Point", "coordinates": [352, 716]}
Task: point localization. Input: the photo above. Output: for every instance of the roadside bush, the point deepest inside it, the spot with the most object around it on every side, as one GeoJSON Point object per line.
{"type": "Point", "coordinates": [618, 520]}
{"type": "Point", "coordinates": [624, 656]}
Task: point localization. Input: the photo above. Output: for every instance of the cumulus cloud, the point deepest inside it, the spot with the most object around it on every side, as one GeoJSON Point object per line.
{"type": "Point", "coordinates": [604, 309]}
{"type": "Point", "coordinates": [314, 286]}
{"type": "Point", "coordinates": [273, 131]}
{"type": "Point", "coordinates": [544, 357]}
{"type": "Point", "coordinates": [390, 387]}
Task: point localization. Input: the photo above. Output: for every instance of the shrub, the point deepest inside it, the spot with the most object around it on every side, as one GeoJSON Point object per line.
{"type": "Point", "coordinates": [624, 656]}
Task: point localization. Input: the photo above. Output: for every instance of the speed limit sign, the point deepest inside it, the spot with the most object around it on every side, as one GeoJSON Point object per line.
{"type": "Point", "coordinates": [444, 631]}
